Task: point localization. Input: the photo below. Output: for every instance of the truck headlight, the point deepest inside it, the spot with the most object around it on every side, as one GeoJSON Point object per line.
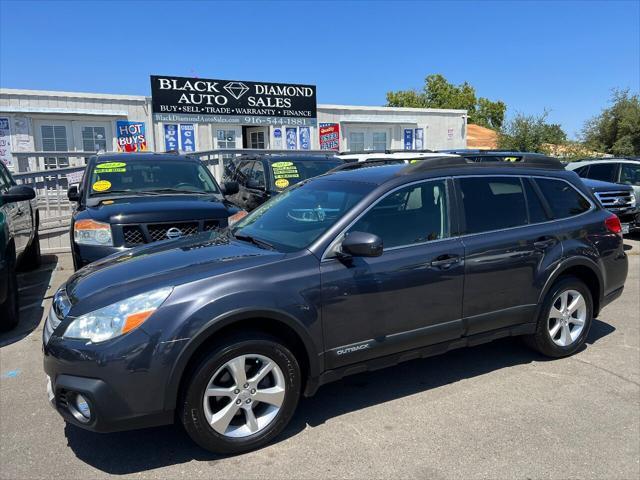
{"type": "Point", "coordinates": [634, 201]}
{"type": "Point", "coordinates": [90, 232]}
{"type": "Point", "coordinates": [118, 318]}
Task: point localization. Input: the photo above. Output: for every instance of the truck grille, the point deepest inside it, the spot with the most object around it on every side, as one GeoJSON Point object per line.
{"type": "Point", "coordinates": [618, 200]}
{"type": "Point", "coordinates": [134, 235]}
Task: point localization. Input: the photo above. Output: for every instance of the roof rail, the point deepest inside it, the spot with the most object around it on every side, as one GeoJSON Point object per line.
{"type": "Point", "coordinates": [371, 162]}
{"type": "Point", "coordinates": [385, 151]}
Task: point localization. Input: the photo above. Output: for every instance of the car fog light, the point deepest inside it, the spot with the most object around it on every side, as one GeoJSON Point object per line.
{"type": "Point", "coordinates": [82, 408]}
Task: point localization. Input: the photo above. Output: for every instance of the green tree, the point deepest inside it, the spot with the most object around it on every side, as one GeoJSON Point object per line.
{"type": "Point", "coordinates": [530, 133]}
{"type": "Point", "coordinates": [617, 129]}
{"type": "Point", "coordinates": [439, 93]}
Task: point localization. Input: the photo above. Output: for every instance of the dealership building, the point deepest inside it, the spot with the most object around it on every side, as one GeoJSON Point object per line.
{"type": "Point", "coordinates": [195, 115]}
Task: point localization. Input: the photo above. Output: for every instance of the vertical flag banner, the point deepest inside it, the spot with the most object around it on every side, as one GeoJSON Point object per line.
{"type": "Point", "coordinates": [419, 138]}
{"type": "Point", "coordinates": [130, 136]}
{"type": "Point", "coordinates": [408, 139]}
{"type": "Point", "coordinates": [171, 137]}
{"type": "Point", "coordinates": [305, 138]}
{"type": "Point", "coordinates": [329, 136]}
{"type": "Point", "coordinates": [5, 142]}
{"type": "Point", "coordinates": [292, 141]}
{"type": "Point", "coordinates": [187, 137]}
{"type": "Point", "coordinates": [277, 138]}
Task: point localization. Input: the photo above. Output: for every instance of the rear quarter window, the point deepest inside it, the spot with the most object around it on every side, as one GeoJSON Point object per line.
{"type": "Point", "coordinates": [564, 200]}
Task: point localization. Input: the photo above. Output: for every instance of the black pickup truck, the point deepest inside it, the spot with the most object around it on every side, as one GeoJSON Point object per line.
{"type": "Point", "coordinates": [129, 200]}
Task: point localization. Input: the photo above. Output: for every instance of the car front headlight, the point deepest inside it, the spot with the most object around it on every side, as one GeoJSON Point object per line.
{"type": "Point", "coordinates": [90, 232]}
{"type": "Point", "coordinates": [634, 200]}
{"type": "Point", "coordinates": [118, 318]}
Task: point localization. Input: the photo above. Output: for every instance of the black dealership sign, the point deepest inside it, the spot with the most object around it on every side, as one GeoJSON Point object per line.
{"type": "Point", "coordinates": [180, 99]}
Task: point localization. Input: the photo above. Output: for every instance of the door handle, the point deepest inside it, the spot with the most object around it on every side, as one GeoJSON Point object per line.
{"type": "Point", "coordinates": [544, 243]}
{"type": "Point", "coordinates": [445, 261]}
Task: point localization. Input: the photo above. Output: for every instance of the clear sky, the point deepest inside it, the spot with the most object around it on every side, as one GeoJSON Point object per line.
{"type": "Point", "coordinates": [562, 56]}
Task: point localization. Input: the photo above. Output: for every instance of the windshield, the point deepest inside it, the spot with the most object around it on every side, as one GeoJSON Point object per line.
{"type": "Point", "coordinates": [290, 172]}
{"type": "Point", "coordinates": [294, 219]}
{"type": "Point", "coordinates": [144, 175]}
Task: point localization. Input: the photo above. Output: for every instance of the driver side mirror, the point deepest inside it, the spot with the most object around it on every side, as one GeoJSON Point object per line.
{"type": "Point", "coordinates": [18, 193]}
{"type": "Point", "coordinates": [72, 194]}
{"type": "Point", "coordinates": [230, 188]}
{"type": "Point", "coordinates": [362, 244]}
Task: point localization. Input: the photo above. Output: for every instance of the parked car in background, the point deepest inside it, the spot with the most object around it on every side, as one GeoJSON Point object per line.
{"type": "Point", "coordinates": [622, 199]}
{"type": "Point", "coordinates": [261, 176]}
{"type": "Point", "coordinates": [128, 200]}
{"type": "Point", "coordinates": [619, 199]}
{"type": "Point", "coordinates": [339, 274]}
{"type": "Point", "coordinates": [625, 171]}
{"type": "Point", "coordinates": [19, 242]}
{"type": "Point", "coordinates": [398, 155]}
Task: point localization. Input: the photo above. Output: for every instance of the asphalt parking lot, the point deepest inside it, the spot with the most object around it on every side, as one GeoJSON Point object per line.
{"type": "Point", "coordinates": [493, 411]}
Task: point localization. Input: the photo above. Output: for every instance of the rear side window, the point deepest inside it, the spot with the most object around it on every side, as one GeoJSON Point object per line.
{"type": "Point", "coordinates": [564, 200]}
{"type": "Point", "coordinates": [492, 203]}
{"type": "Point", "coordinates": [602, 171]}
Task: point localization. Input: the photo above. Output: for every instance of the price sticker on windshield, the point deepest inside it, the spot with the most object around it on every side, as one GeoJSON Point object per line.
{"type": "Point", "coordinates": [101, 186]}
{"type": "Point", "coordinates": [111, 167]}
{"type": "Point", "coordinates": [282, 183]}
{"type": "Point", "coordinates": [284, 170]}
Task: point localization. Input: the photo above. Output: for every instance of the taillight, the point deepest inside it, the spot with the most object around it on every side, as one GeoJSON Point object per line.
{"type": "Point", "coordinates": [613, 224]}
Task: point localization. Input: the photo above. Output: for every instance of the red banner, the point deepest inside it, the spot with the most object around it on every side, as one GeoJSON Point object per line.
{"type": "Point", "coordinates": [329, 136]}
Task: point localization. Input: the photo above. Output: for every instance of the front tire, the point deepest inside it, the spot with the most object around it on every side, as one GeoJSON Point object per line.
{"type": "Point", "coordinates": [242, 394]}
{"type": "Point", "coordinates": [565, 319]}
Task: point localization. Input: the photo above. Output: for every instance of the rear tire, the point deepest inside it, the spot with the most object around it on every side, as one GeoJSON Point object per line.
{"type": "Point", "coordinates": [229, 405]}
{"type": "Point", "coordinates": [565, 319]}
{"type": "Point", "coordinates": [10, 309]}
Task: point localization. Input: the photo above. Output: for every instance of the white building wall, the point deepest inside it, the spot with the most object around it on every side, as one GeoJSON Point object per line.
{"type": "Point", "coordinates": [443, 129]}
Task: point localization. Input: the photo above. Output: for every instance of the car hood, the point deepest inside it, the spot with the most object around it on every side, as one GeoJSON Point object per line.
{"type": "Point", "coordinates": [161, 208]}
{"type": "Point", "coordinates": [600, 186]}
{"type": "Point", "coordinates": [162, 264]}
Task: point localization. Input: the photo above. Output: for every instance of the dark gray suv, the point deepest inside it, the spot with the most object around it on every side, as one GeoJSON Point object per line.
{"type": "Point", "coordinates": [345, 272]}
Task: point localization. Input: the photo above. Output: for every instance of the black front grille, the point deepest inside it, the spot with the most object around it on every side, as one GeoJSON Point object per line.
{"type": "Point", "coordinates": [174, 230]}
{"type": "Point", "coordinates": [133, 235]}
{"type": "Point", "coordinates": [211, 225]}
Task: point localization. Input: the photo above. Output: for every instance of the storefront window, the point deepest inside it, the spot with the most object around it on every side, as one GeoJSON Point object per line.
{"type": "Point", "coordinates": [256, 140]}
{"type": "Point", "coordinates": [54, 139]}
{"type": "Point", "coordinates": [356, 141]}
{"type": "Point", "coordinates": [379, 140]}
{"type": "Point", "coordinates": [226, 138]}
{"type": "Point", "coordinates": [94, 139]}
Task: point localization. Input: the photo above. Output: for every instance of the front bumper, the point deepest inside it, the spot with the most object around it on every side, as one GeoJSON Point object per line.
{"type": "Point", "coordinates": [122, 382]}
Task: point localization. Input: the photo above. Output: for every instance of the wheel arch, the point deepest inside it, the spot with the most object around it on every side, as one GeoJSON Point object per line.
{"type": "Point", "coordinates": [273, 322]}
{"type": "Point", "coordinates": [586, 270]}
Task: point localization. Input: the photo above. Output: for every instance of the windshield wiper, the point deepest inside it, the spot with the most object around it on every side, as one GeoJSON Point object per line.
{"type": "Point", "coordinates": [178, 190]}
{"type": "Point", "coordinates": [255, 241]}
{"type": "Point", "coordinates": [119, 192]}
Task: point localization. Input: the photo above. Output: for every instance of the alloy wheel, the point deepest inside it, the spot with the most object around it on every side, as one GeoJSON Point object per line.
{"type": "Point", "coordinates": [567, 317]}
{"type": "Point", "coordinates": [244, 395]}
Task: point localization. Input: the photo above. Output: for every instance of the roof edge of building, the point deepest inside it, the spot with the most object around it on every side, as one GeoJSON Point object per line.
{"type": "Point", "coordinates": [389, 109]}
{"type": "Point", "coordinates": [60, 93]}
{"type": "Point", "coordinates": [144, 98]}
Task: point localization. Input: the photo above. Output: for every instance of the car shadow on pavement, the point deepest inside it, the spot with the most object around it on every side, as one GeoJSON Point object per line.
{"type": "Point", "coordinates": [32, 288]}
{"type": "Point", "coordinates": [140, 450]}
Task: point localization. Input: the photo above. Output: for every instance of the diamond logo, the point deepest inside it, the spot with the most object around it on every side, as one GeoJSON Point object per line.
{"type": "Point", "coordinates": [236, 89]}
